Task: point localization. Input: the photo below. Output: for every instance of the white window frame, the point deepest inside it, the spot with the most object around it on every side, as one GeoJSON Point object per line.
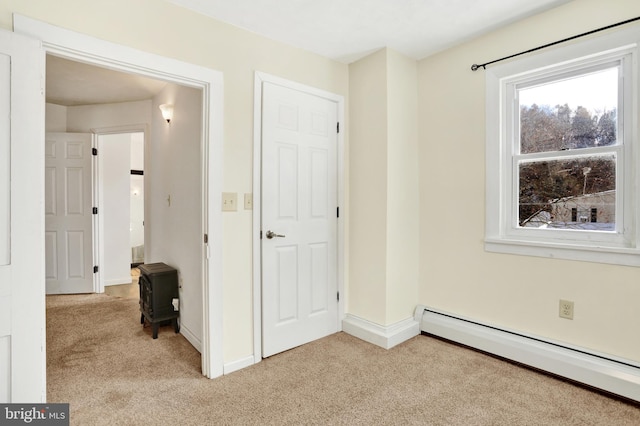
{"type": "Point", "coordinates": [503, 235]}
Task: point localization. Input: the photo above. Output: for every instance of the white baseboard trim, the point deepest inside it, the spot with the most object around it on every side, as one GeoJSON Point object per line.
{"type": "Point", "coordinates": [383, 336]}
{"type": "Point", "coordinates": [191, 338]}
{"type": "Point", "coordinates": [618, 376]}
{"type": "Point", "coordinates": [118, 281]}
{"type": "Point", "coordinates": [245, 362]}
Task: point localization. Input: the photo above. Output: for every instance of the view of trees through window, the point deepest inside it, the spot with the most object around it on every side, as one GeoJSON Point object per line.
{"type": "Point", "coordinates": [568, 183]}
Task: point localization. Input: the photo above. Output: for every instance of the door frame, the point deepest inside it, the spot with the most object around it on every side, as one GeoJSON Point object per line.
{"type": "Point", "coordinates": [97, 173]}
{"type": "Point", "coordinates": [259, 79]}
{"type": "Point", "coordinates": [22, 289]}
{"type": "Point", "coordinates": [83, 48]}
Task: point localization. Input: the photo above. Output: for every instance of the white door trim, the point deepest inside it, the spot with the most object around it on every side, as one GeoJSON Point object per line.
{"type": "Point", "coordinates": [259, 80]}
{"type": "Point", "coordinates": [22, 275]}
{"type": "Point", "coordinates": [83, 48]}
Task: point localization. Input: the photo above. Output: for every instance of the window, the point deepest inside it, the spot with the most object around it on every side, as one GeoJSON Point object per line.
{"type": "Point", "coordinates": [562, 152]}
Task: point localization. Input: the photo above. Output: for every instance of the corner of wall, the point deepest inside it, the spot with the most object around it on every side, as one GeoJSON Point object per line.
{"type": "Point", "coordinates": [55, 118]}
{"type": "Point", "coordinates": [384, 336]}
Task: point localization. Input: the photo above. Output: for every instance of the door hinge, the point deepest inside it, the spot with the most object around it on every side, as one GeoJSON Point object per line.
{"type": "Point", "coordinates": [94, 151]}
{"type": "Point", "coordinates": [206, 238]}
{"type": "Point", "coordinates": [338, 127]}
{"type": "Point", "coordinates": [337, 211]}
{"type": "Point", "coordinates": [95, 210]}
{"type": "Point", "coordinates": [95, 269]}
{"type": "Point", "coordinates": [338, 296]}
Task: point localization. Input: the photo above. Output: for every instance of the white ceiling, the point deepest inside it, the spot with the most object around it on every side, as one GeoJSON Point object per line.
{"type": "Point", "coordinates": [346, 30]}
{"type": "Point", "coordinates": [73, 83]}
{"type": "Point", "coordinates": [343, 30]}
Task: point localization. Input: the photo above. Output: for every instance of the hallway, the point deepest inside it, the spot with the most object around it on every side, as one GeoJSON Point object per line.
{"type": "Point", "coordinates": [129, 291]}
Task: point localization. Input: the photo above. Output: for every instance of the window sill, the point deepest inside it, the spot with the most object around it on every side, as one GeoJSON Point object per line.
{"type": "Point", "coordinates": [609, 255]}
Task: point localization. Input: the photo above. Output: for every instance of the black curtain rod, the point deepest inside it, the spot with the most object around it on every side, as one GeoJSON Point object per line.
{"type": "Point", "coordinates": [475, 67]}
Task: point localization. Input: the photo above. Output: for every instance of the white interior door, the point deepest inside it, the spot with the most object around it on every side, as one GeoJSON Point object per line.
{"type": "Point", "coordinates": [68, 213]}
{"type": "Point", "coordinates": [299, 218]}
{"type": "Point", "coordinates": [22, 324]}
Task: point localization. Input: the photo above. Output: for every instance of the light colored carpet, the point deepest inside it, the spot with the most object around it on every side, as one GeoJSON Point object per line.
{"type": "Point", "coordinates": [107, 366]}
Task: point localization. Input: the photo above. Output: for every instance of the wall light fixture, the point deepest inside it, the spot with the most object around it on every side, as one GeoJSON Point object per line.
{"type": "Point", "coordinates": [167, 112]}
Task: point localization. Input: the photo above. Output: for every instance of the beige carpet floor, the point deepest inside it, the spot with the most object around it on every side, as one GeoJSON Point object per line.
{"type": "Point", "coordinates": [107, 366]}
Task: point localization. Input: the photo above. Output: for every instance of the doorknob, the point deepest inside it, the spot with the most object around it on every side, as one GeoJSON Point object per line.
{"type": "Point", "coordinates": [271, 234]}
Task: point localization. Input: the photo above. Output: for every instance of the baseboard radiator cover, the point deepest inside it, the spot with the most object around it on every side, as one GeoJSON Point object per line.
{"type": "Point", "coordinates": [617, 376]}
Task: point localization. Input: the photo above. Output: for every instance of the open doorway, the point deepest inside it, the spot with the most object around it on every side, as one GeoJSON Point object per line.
{"type": "Point", "coordinates": [92, 101]}
{"type": "Point", "coordinates": [113, 108]}
{"type": "Point", "coordinates": [136, 201]}
{"type": "Point", "coordinates": [136, 197]}
{"type": "Point", "coordinates": [46, 38]}
{"type": "Point", "coordinates": [120, 189]}
{"type": "Point", "coordinates": [175, 176]}
{"type": "Point", "coordinates": [121, 199]}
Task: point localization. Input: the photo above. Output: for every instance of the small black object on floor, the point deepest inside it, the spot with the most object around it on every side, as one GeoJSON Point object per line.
{"type": "Point", "coordinates": [158, 288]}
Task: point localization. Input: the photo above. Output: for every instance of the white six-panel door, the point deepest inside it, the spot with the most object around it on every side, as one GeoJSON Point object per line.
{"type": "Point", "coordinates": [299, 220]}
{"type": "Point", "coordinates": [22, 324]}
{"type": "Point", "coordinates": [68, 213]}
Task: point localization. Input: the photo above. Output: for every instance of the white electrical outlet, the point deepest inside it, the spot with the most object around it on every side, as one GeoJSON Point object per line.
{"type": "Point", "coordinates": [248, 201]}
{"type": "Point", "coordinates": [566, 309]}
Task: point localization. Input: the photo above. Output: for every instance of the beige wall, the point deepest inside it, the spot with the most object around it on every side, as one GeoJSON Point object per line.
{"type": "Point", "coordinates": [384, 216]}
{"type": "Point", "coordinates": [368, 188]}
{"type": "Point", "coordinates": [162, 28]}
{"type": "Point", "coordinates": [403, 203]}
{"type": "Point", "coordinates": [173, 169]}
{"type": "Point", "coordinates": [456, 274]}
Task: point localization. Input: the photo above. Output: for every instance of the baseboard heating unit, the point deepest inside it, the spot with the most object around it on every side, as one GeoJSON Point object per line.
{"type": "Point", "coordinates": [602, 371]}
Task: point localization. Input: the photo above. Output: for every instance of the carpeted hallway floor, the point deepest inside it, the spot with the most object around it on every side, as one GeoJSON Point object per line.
{"type": "Point", "coordinates": [110, 370]}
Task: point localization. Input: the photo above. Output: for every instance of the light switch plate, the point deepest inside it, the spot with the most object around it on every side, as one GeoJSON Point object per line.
{"type": "Point", "coordinates": [248, 201]}
{"type": "Point", "coordinates": [229, 202]}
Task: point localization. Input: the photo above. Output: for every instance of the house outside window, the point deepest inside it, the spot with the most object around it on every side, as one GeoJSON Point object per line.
{"type": "Point", "coordinates": [563, 152]}
{"type": "Point", "coordinates": [581, 212]}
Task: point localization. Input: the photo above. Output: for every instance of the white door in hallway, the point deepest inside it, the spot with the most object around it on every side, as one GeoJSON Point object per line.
{"type": "Point", "coordinates": [299, 218]}
{"type": "Point", "coordinates": [22, 358]}
{"type": "Point", "coordinates": [68, 213]}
